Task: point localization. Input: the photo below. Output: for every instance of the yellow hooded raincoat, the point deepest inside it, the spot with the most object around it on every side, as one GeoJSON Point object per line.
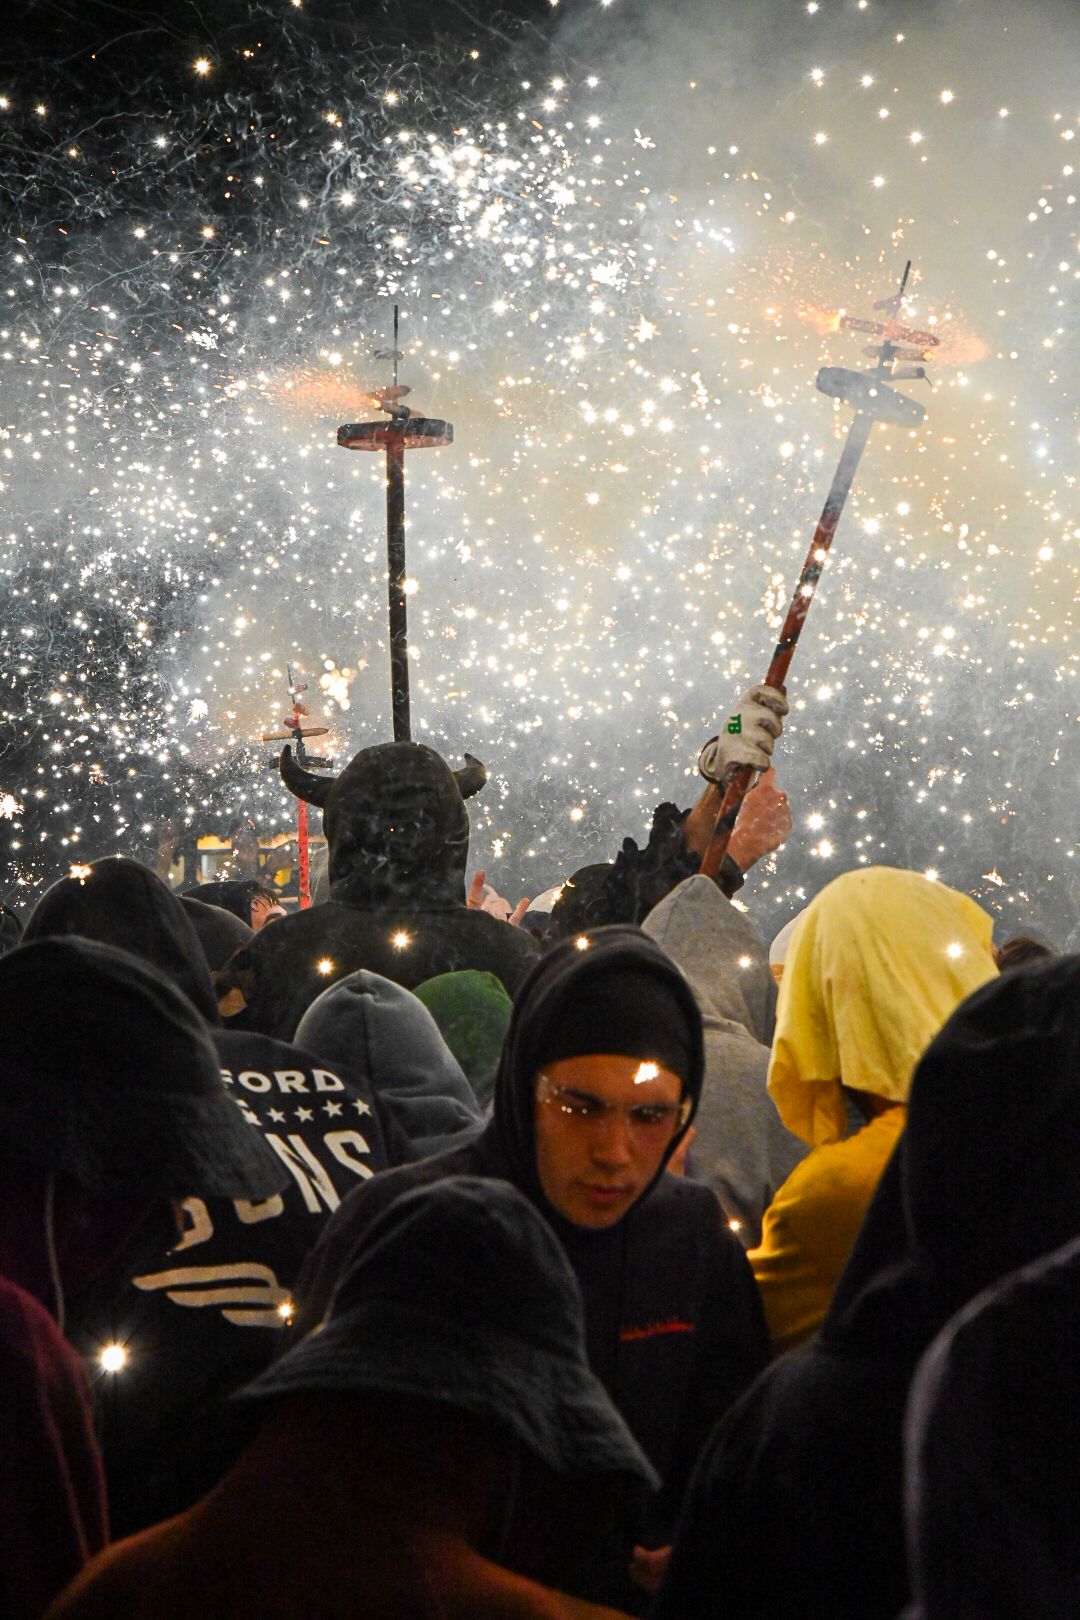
{"type": "Point", "coordinates": [878, 962]}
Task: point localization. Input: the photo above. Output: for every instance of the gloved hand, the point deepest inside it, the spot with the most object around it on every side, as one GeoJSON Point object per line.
{"type": "Point", "coordinates": [747, 737]}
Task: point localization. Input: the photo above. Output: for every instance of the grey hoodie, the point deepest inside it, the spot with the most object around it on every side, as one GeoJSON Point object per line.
{"type": "Point", "coordinates": [741, 1150]}
{"type": "Point", "coordinates": [366, 1019]}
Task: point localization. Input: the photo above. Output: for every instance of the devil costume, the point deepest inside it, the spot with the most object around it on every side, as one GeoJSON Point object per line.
{"type": "Point", "coordinates": [674, 1327]}
{"type": "Point", "coordinates": [398, 836]}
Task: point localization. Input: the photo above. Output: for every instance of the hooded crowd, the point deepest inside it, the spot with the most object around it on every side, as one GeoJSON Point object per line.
{"type": "Point", "coordinates": [420, 1257]}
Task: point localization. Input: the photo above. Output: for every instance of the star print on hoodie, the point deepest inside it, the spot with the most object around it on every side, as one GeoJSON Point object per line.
{"type": "Point", "coordinates": [210, 1314]}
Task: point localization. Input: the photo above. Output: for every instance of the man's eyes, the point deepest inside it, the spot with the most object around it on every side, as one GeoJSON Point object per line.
{"type": "Point", "coordinates": [582, 1106]}
{"type": "Point", "coordinates": [652, 1116]}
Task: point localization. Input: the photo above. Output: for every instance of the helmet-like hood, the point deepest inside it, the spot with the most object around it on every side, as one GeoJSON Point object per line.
{"type": "Point", "coordinates": [395, 821]}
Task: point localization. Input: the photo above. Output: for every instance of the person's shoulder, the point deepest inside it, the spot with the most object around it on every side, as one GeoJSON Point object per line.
{"type": "Point", "coordinates": [687, 1196]}
{"type": "Point", "coordinates": [366, 1200]}
{"type": "Point", "coordinates": [20, 1307]}
{"type": "Point", "coordinates": [689, 1206]}
{"type": "Point", "coordinates": [514, 941]}
{"type": "Point", "coordinates": [1026, 1320]}
{"type": "Point", "coordinates": [113, 1583]}
{"type": "Point", "coordinates": [256, 1050]}
{"type": "Point", "coordinates": [33, 1345]}
{"type": "Point", "coordinates": [280, 934]}
{"type": "Point", "coordinates": [852, 1165]}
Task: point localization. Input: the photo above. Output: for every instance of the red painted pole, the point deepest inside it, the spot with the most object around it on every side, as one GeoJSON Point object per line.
{"type": "Point", "coordinates": [873, 399]}
{"type": "Point", "coordinates": [739, 784]}
{"type": "Point", "coordinates": [302, 848]}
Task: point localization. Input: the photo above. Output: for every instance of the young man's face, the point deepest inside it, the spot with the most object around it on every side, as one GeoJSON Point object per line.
{"type": "Point", "coordinates": [603, 1125]}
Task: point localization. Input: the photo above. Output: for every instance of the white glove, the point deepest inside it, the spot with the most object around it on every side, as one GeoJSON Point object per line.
{"type": "Point", "coordinates": [747, 737]}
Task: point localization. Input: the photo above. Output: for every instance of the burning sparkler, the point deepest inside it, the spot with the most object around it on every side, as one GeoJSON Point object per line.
{"type": "Point", "coordinates": [874, 401]}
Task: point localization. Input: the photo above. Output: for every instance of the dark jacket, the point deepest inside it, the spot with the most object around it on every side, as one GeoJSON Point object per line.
{"type": "Point", "coordinates": [993, 1454]}
{"type": "Point", "coordinates": [796, 1507]}
{"type": "Point", "coordinates": [673, 1323]}
{"type": "Point", "coordinates": [399, 839]}
{"type": "Point", "coordinates": [210, 1315]}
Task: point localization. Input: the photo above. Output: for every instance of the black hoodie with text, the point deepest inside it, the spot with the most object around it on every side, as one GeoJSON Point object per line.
{"type": "Point", "coordinates": [211, 1315]}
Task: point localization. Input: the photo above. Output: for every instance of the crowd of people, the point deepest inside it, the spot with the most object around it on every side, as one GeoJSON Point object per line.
{"type": "Point", "coordinates": [418, 1255]}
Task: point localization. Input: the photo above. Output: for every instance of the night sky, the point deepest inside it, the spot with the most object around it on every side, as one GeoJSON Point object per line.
{"type": "Point", "coordinates": [621, 237]}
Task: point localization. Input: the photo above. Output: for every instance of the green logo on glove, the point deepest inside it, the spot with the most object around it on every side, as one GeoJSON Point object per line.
{"type": "Point", "coordinates": [733, 728]}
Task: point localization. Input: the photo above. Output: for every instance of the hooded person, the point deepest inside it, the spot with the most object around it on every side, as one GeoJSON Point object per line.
{"type": "Point", "coordinates": [397, 833]}
{"type": "Point", "coordinates": [741, 1148]}
{"type": "Point", "coordinates": [797, 1506]}
{"type": "Point", "coordinates": [249, 900]}
{"type": "Point", "coordinates": [395, 1440]}
{"type": "Point", "coordinates": [208, 1316]}
{"type": "Point", "coordinates": [600, 1075]}
{"type": "Point", "coordinates": [875, 965]}
{"type": "Point", "coordinates": [472, 1011]}
{"type": "Point", "coordinates": [220, 933]}
{"type": "Point", "coordinates": [992, 1445]}
{"type": "Point", "coordinates": [111, 1107]}
{"type": "Point", "coordinates": [367, 1021]}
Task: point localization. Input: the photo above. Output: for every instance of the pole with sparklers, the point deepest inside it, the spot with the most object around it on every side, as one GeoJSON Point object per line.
{"type": "Point", "coordinates": [404, 431]}
{"type": "Point", "coordinates": [874, 400]}
{"type": "Point", "coordinates": [295, 733]}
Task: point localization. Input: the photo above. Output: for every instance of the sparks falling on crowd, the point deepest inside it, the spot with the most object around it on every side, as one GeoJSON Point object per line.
{"type": "Point", "coordinates": [537, 1075]}
{"type": "Point", "coordinates": [621, 237]}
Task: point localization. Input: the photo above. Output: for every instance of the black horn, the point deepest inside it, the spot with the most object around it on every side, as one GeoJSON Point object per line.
{"type": "Point", "coordinates": [305, 784]}
{"type": "Point", "coordinates": [472, 778]}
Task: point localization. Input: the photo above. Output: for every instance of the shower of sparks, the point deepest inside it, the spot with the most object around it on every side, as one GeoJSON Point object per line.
{"type": "Point", "coordinates": [619, 266]}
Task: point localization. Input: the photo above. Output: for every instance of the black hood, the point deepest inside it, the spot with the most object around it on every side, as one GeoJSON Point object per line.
{"type": "Point", "coordinates": [124, 904]}
{"type": "Point", "coordinates": [984, 1178]}
{"type": "Point", "coordinates": [232, 895]}
{"type": "Point", "coordinates": [220, 933]}
{"type": "Point", "coordinates": [561, 979]}
{"type": "Point", "coordinates": [395, 823]}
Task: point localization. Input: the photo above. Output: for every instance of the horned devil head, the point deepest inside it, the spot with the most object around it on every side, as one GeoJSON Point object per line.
{"type": "Point", "coordinates": [397, 809]}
